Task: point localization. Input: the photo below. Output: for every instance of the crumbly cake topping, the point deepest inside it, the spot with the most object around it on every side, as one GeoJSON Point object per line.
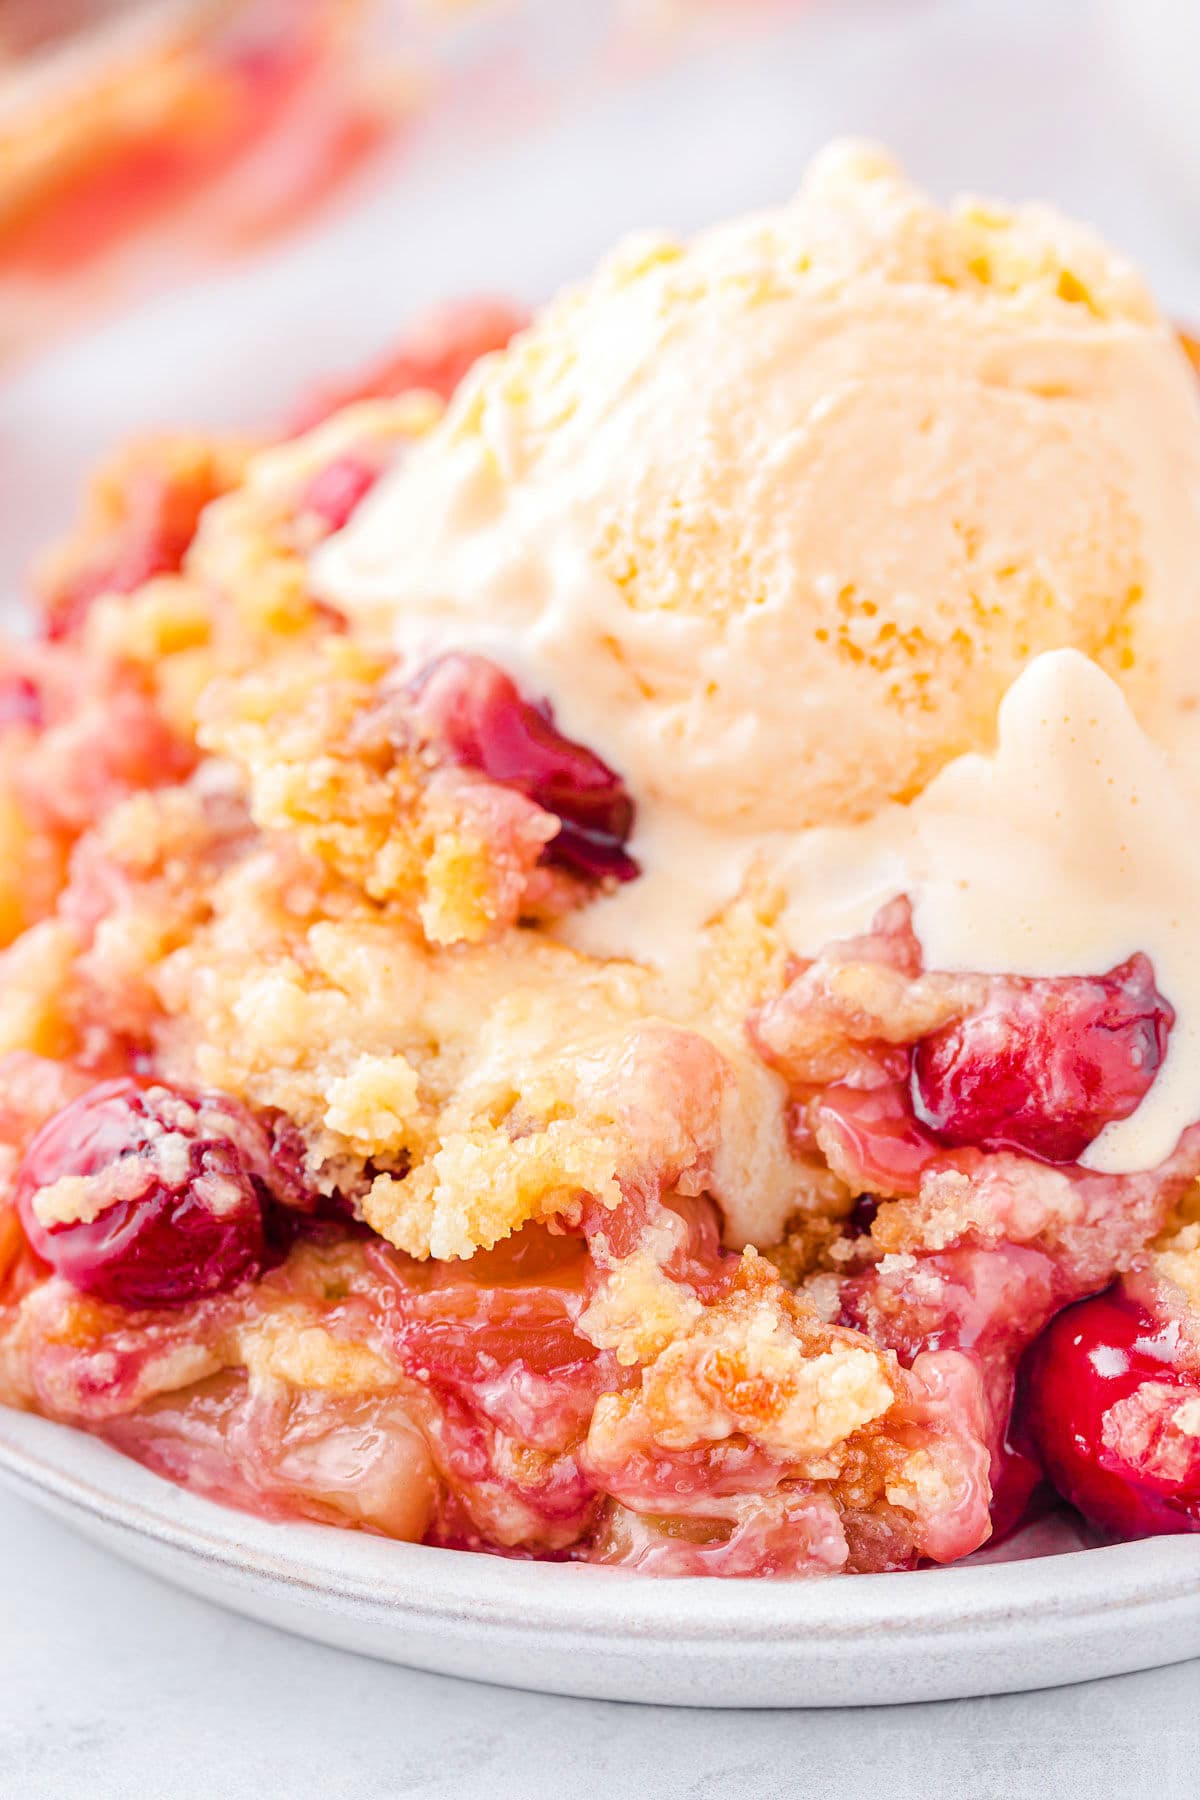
{"type": "Point", "coordinates": [499, 1243]}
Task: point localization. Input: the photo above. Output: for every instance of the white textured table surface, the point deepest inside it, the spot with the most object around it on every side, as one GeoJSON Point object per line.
{"type": "Point", "coordinates": [116, 1688]}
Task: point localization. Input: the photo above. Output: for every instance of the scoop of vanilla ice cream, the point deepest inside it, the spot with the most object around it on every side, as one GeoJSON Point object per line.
{"type": "Point", "coordinates": [775, 518]}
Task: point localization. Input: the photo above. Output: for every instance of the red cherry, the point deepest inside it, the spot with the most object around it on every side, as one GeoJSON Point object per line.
{"type": "Point", "coordinates": [335, 491]}
{"type": "Point", "coordinates": [478, 715]}
{"type": "Point", "coordinates": [863, 1214]}
{"type": "Point", "coordinates": [1046, 1064]}
{"type": "Point", "coordinates": [1099, 1393]}
{"type": "Point", "coordinates": [167, 1202]}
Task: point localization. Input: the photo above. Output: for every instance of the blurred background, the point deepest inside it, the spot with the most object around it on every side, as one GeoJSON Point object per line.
{"type": "Point", "coordinates": [207, 205]}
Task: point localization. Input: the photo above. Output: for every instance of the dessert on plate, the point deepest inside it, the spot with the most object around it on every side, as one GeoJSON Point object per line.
{"type": "Point", "coordinates": [601, 944]}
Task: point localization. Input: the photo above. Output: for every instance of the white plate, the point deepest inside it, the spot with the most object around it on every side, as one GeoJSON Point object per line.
{"type": "Point", "coordinates": [536, 209]}
{"type": "Point", "coordinates": [984, 1627]}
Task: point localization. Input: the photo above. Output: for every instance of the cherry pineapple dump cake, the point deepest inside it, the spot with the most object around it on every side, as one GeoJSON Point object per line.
{"type": "Point", "coordinates": [597, 941]}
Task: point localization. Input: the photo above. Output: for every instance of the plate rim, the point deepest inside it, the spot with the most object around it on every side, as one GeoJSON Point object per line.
{"type": "Point", "coordinates": [64, 1468]}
